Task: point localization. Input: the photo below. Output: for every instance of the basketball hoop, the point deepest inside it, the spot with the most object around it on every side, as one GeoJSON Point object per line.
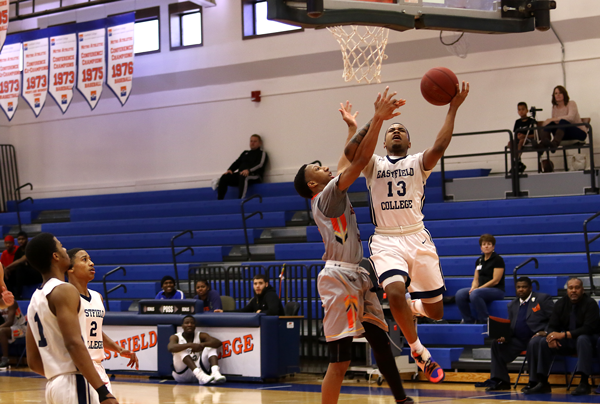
{"type": "Point", "coordinates": [456, 44]}
{"type": "Point", "coordinates": [363, 50]}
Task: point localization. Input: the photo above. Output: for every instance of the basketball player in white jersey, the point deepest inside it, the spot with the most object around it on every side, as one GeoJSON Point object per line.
{"type": "Point", "coordinates": [351, 308]}
{"type": "Point", "coordinates": [81, 273]}
{"type": "Point", "coordinates": [195, 355]}
{"type": "Point", "coordinates": [402, 251]}
{"type": "Point", "coordinates": [55, 347]}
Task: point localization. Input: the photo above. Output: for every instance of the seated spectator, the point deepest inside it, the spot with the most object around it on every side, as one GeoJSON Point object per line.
{"type": "Point", "coordinates": [487, 286]}
{"type": "Point", "coordinates": [529, 314]}
{"type": "Point", "coordinates": [168, 291]}
{"type": "Point", "coordinates": [265, 298]}
{"type": "Point", "coordinates": [524, 137]}
{"type": "Point", "coordinates": [210, 297]}
{"type": "Point", "coordinates": [20, 273]}
{"type": "Point", "coordinates": [195, 355]}
{"type": "Point", "coordinates": [247, 169]}
{"type": "Point", "coordinates": [564, 112]}
{"type": "Point", "coordinates": [8, 255]}
{"type": "Point", "coordinates": [574, 321]}
{"type": "Point", "coordinates": [14, 326]}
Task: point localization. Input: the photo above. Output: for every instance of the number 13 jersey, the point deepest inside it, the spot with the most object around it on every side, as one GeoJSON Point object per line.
{"type": "Point", "coordinates": [397, 189]}
{"type": "Point", "coordinates": [93, 310]}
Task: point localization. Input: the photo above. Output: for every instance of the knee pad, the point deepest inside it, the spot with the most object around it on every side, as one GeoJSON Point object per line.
{"type": "Point", "coordinates": [340, 350]}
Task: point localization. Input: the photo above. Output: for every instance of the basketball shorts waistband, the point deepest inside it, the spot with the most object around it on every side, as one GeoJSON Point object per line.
{"type": "Point", "coordinates": [340, 264]}
{"type": "Point", "coordinates": [400, 230]}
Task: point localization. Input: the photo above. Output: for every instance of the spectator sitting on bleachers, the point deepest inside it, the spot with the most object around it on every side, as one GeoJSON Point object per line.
{"type": "Point", "coordinates": [487, 286]}
{"type": "Point", "coordinates": [564, 112]}
{"type": "Point", "coordinates": [265, 298]}
{"type": "Point", "coordinates": [210, 297]}
{"type": "Point", "coordinates": [14, 326]}
{"type": "Point", "coordinates": [8, 255]}
{"type": "Point", "coordinates": [529, 314]}
{"type": "Point", "coordinates": [527, 137]}
{"type": "Point", "coordinates": [573, 323]}
{"type": "Point", "coordinates": [247, 169]}
{"type": "Point", "coordinates": [168, 291]}
{"type": "Point", "coordinates": [20, 273]}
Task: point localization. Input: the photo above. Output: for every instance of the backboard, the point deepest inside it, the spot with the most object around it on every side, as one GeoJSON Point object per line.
{"type": "Point", "coordinates": [479, 16]}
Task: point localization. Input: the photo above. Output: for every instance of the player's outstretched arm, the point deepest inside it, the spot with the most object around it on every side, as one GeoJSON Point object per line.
{"type": "Point", "coordinates": [385, 107]}
{"type": "Point", "coordinates": [64, 303]}
{"type": "Point", "coordinates": [111, 345]}
{"type": "Point", "coordinates": [350, 119]}
{"type": "Point", "coordinates": [34, 359]}
{"type": "Point", "coordinates": [432, 155]}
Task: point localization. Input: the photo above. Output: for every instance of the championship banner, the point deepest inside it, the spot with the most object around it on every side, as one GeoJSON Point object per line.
{"type": "Point", "coordinates": [91, 60]}
{"type": "Point", "coordinates": [141, 339]}
{"type": "Point", "coordinates": [120, 55]}
{"type": "Point", "coordinates": [35, 69]}
{"type": "Point", "coordinates": [10, 75]}
{"type": "Point", "coordinates": [4, 10]}
{"type": "Point", "coordinates": [63, 67]}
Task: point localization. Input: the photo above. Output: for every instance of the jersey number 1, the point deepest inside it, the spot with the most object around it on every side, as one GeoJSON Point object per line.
{"type": "Point", "coordinates": [400, 192]}
{"type": "Point", "coordinates": [42, 342]}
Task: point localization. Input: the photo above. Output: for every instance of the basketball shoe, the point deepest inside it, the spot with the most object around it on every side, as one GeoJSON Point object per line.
{"type": "Point", "coordinates": [432, 370]}
{"type": "Point", "coordinates": [202, 377]}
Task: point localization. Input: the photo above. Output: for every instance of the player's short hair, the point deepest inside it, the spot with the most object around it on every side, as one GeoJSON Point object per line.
{"type": "Point", "coordinates": [574, 278]}
{"type": "Point", "coordinates": [301, 185]}
{"type": "Point", "coordinates": [188, 316]}
{"type": "Point", "coordinates": [487, 237]}
{"type": "Point", "coordinates": [523, 103]}
{"type": "Point", "coordinates": [204, 281]}
{"type": "Point", "coordinates": [166, 278]}
{"type": "Point", "coordinates": [39, 252]}
{"type": "Point", "coordinates": [525, 279]}
{"type": "Point", "coordinates": [22, 234]}
{"type": "Point", "coordinates": [73, 252]}
{"type": "Point", "coordinates": [264, 277]}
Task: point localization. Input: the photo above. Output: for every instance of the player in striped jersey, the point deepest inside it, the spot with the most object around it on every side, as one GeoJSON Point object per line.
{"type": "Point", "coordinates": [402, 250]}
{"type": "Point", "coordinates": [55, 347]}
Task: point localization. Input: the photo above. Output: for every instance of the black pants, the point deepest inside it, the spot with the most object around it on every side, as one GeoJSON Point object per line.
{"type": "Point", "coordinates": [502, 355]}
{"type": "Point", "coordinates": [572, 133]}
{"type": "Point", "coordinates": [236, 180]}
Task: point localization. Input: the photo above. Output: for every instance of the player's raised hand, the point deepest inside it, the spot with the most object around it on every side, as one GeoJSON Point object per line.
{"type": "Point", "coordinates": [460, 96]}
{"type": "Point", "coordinates": [7, 296]}
{"type": "Point", "coordinates": [347, 116]}
{"type": "Point", "coordinates": [133, 359]}
{"type": "Point", "coordinates": [386, 105]}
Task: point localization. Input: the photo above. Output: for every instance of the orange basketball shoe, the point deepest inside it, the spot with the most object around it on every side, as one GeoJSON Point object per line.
{"type": "Point", "coordinates": [432, 370]}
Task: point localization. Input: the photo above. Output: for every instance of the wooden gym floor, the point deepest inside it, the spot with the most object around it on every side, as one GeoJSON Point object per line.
{"type": "Point", "coordinates": [26, 387]}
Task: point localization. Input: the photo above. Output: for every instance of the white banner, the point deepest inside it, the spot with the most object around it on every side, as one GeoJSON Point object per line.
{"type": "Point", "coordinates": [10, 78]}
{"type": "Point", "coordinates": [91, 63]}
{"type": "Point", "coordinates": [35, 74]}
{"type": "Point", "coordinates": [63, 54]}
{"type": "Point", "coordinates": [141, 339]}
{"type": "Point", "coordinates": [240, 353]}
{"type": "Point", "coordinates": [120, 60]}
{"type": "Point", "coordinates": [4, 10]}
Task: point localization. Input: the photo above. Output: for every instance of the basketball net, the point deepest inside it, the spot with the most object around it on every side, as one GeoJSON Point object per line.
{"type": "Point", "coordinates": [363, 51]}
{"type": "Point", "coordinates": [456, 43]}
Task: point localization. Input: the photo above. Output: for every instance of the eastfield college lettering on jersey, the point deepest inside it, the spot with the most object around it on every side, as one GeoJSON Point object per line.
{"type": "Point", "coordinates": [93, 309]}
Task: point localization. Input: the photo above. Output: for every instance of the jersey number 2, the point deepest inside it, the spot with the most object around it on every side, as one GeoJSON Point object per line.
{"type": "Point", "coordinates": [400, 192]}
{"type": "Point", "coordinates": [93, 328]}
{"type": "Point", "coordinates": [42, 342]}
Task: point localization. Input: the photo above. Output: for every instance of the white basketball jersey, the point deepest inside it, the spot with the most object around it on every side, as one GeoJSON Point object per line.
{"type": "Point", "coordinates": [178, 356]}
{"type": "Point", "coordinates": [91, 327]}
{"type": "Point", "coordinates": [397, 189]}
{"type": "Point", "coordinates": [46, 333]}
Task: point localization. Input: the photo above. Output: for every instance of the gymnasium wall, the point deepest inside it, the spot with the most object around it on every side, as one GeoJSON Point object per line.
{"type": "Point", "coordinates": [190, 113]}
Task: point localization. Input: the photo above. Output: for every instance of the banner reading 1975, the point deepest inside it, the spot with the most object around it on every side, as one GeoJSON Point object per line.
{"type": "Point", "coordinates": [35, 73]}
{"type": "Point", "coordinates": [4, 10]}
{"type": "Point", "coordinates": [10, 75]}
{"type": "Point", "coordinates": [63, 66]}
{"type": "Point", "coordinates": [91, 61]}
{"type": "Point", "coordinates": [120, 55]}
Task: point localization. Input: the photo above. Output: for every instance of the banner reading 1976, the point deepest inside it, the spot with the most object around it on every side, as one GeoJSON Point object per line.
{"type": "Point", "coordinates": [35, 73]}
{"type": "Point", "coordinates": [10, 75]}
{"type": "Point", "coordinates": [91, 62]}
{"type": "Point", "coordinates": [63, 68]}
{"type": "Point", "coordinates": [4, 10]}
{"type": "Point", "coordinates": [120, 55]}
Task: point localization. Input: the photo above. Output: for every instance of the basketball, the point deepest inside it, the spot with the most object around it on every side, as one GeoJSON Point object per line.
{"type": "Point", "coordinates": [438, 86]}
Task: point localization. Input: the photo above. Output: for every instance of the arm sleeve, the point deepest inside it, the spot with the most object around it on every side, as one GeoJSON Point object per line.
{"type": "Point", "coordinates": [179, 295]}
{"type": "Point", "coordinates": [572, 112]}
{"type": "Point", "coordinates": [273, 304]}
{"type": "Point", "coordinates": [236, 164]}
{"type": "Point", "coordinates": [263, 160]}
{"type": "Point", "coordinates": [159, 295]}
{"type": "Point", "coordinates": [215, 301]}
{"type": "Point", "coordinates": [250, 307]}
{"type": "Point", "coordinates": [332, 201]}
{"type": "Point", "coordinates": [547, 306]}
{"type": "Point", "coordinates": [591, 319]}
{"type": "Point", "coordinates": [499, 262]}
{"type": "Point", "coordinates": [554, 323]}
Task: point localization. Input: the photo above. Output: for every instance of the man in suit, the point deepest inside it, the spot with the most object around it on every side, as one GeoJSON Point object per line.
{"type": "Point", "coordinates": [572, 330]}
{"type": "Point", "coordinates": [529, 314]}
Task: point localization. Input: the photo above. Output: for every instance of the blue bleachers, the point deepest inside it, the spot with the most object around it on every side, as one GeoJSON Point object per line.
{"type": "Point", "coordinates": [155, 255]}
{"type": "Point", "coordinates": [452, 334]}
{"type": "Point", "coordinates": [137, 290]}
{"type": "Point", "coordinates": [498, 308]}
{"type": "Point", "coordinates": [150, 272]}
{"type": "Point", "coordinates": [548, 284]}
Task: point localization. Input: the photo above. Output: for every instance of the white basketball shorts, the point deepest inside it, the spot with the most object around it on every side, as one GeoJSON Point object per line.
{"type": "Point", "coordinates": [183, 374]}
{"type": "Point", "coordinates": [71, 388]}
{"type": "Point", "coordinates": [102, 372]}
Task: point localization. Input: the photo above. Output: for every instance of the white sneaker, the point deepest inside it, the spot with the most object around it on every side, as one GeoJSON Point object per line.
{"type": "Point", "coordinates": [218, 377]}
{"type": "Point", "coordinates": [202, 377]}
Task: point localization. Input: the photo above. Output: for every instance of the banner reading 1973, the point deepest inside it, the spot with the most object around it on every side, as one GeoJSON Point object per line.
{"type": "Point", "coordinates": [4, 10]}
{"type": "Point", "coordinates": [120, 55]}
{"type": "Point", "coordinates": [10, 75]}
{"type": "Point", "coordinates": [35, 73]}
{"type": "Point", "coordinates": [91, 62]}
{"type": "Point", "coordinates": [63, 67]}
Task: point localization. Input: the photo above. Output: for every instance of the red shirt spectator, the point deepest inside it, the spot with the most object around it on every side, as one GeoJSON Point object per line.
{"type": "Point", "coordinates": [8, 255]}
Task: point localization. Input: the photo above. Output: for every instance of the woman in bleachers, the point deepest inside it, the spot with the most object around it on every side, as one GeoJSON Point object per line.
{"type": "Point", "coordinates": [210, 297]}
{"type": "Point", "coordinates": [487, 286]}
{"type": "Point", "coordinates": [564, 112]}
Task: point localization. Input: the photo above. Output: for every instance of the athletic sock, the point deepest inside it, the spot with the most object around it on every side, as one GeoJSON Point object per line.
{"type": "Point", "coordinates": [417, 307]}
{"type": "Point", "coordinates": [417, 346]}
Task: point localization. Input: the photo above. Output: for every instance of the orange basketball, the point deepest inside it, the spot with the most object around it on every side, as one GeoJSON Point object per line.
{"type": "Point", "coordinates": [438, 86]}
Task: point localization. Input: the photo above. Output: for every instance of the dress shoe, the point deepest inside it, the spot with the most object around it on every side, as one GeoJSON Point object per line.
{"type": "Point", "coordinates": [582, 390]}
{"type": "Point", "coordinates": [529, 386]}
{"type": "Point", "coordinates": [487, 383]}
{"type": "Point", "coordinates": [540, 388]}
{"type": "Point", "coordinates": [498, 386]}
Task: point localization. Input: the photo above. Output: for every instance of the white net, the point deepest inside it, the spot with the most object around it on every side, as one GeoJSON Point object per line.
{"type": "Point", "coordinates": [456, 43]}
{"type": "Point", "coordinates": [363, 50]}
